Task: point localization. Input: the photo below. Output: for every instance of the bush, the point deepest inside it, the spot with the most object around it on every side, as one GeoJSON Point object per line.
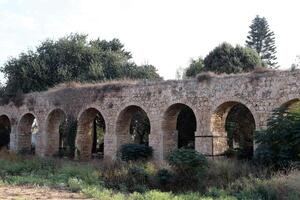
{"type": "Point", "coordinates": [75, 184]}
{"type": "Point", "coordinates": [86, 173]}
{"type": "Point", "coordinates": [163, 177]}
{"type": "Point", "coordinates": [133, 152]}
{"type": "Point", "coordinates": [137, 179]}
{"type": "Point", "coordinates": [279, 144]}
{"type": "Point", "coordinates": [186, 160]}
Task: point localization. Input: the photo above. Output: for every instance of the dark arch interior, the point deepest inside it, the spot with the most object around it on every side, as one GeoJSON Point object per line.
{"type": "Point", "coordinates": [186, 127]}
{"type": "Point", "coordinates": [179, 127]}
{"type": "Point", "coordinates": [240, 127]}
{"type": "Point", "coordinates": [140, 127]}
{"type": "Point", "coordinates": [233, 127]}
{"type": "Point", "coordinates": [55, 140]}
{"type": "Point", "coordinates": [27, 132]}
{"type": "Point", "coordinates": [5, 129]}
{"type": "Point", "coordinates": [133, 126]}
{"type": "Point", "coordinates": [98, 136]}
{"type": "Point", "coordinates": [90, 134]}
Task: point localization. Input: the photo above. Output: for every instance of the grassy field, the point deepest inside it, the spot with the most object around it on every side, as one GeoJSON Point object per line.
{"type": "Point", "coordinates": [222, 179]}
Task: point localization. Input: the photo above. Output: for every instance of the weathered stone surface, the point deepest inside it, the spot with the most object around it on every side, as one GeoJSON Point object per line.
{"type": "Point", "coordinates": [210, 101]}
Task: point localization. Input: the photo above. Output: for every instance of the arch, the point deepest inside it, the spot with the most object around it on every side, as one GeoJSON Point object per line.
{"type": "Point", "coordinates": [242, 101]}
{"type": "Point", "coordinates": [5, 129]}
{"type": "Point", "coordinates": [124, 124]}
{"type": "Point", "coordinates": [53, 121]}
{"type": "Point", "coordinates": [170, 126]}
{"type": "Point", "coordinates": [289, 104]}
{"type": "Point", "coordinates": [27, 131]}
{"type": "Point", "coordinates": [228, 127]}
{"type": "Point", "coordinates": [84, 136]}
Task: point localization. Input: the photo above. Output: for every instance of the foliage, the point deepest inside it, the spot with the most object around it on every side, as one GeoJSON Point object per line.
{"type": "Point", "coordinates": [262, 40]}
{"type": "Point", "coordinates": [223, 179]}
{"type": "Point", "coordinates": [296, 65]}
{"type": "Point", "coordinates": [240, 126]}
{"type": "Point", "coordinates": [67, 132]}
{"type": "Point", "coordinates": [164, 176]}
{"type": "Point", "coordinates": [228, 59]}
{"type": "Point", "coordinates": [140, 127]}
{"type": "Point", "coordinates": [137, 179]}
{"type": "Point", "coordinates": [278, 187]}
{"type": "Point", "coordinates": [71, 58]}
{"type": "Point", "coordinates": [86, 173]}
{"type": "Point", "coordinates": [130, 152]}
{"type": "Point", "coordinates": [98, 135]}
{"type": "Point", "coordinates": [279, 144]}
{"type": "Point", "coordinates": [195, 67]}
{"type": "Point", "coordinates": [186, 160]}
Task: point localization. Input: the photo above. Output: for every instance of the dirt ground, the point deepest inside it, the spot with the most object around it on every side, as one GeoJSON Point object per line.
{"type": "Point", "coordinates": [31, 193]}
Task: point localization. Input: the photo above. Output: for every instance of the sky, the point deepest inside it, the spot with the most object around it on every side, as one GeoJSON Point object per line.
{"type": "Point", "coordinates": [164, 33]}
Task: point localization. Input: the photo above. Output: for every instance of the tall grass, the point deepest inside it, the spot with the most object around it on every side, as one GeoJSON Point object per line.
{"type": "Point", "coordinates": [223, 179]}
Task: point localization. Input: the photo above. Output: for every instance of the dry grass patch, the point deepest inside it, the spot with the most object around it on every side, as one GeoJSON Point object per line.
{"type": "Point", "coordinates": [8, 192]}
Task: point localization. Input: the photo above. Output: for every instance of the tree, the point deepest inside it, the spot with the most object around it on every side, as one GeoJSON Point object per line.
{"type": "Point", "coordinates": [262, 39]}
{"type": "Point", "coordinates": [228, 59]}
{"type": "Point", "coordinates": [296, 65]}
{"type": "Point", "coordinates": [180, 73]}
{"type": "Point", "coordinates": [279, 143]}
{"type": "Point", "coordinates": [140, 128]}
{"type": "Point", "coordinates": [195, 67]}
{"type": "Point", "coordinates": [72, 58]}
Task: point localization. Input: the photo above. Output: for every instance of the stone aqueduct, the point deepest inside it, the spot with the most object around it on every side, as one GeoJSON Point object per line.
{"type": "Point", "coordinates": [210, 98]}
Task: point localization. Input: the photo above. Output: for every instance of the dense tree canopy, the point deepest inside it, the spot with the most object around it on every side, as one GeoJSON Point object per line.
{"type": "Point", "coordinates": [195, 67]}
{"type": "Point", "coordinates": [72, 58]}
{"type": "Point", "coordinates": [262, 40]}
{"type": "Point", "coordinates": [228, 59]}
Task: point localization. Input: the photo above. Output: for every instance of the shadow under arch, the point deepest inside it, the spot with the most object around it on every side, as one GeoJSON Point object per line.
{"type": "Point", "coordinates": [5, 130]}
{"type": "Point", "coordinates": [132, 126]}
{"type": "Point", "coordinates": [232, 128]}
{"type": "Point", "coordinates": [53, 138]}
{"type": "Point", "coordinates": [179, 125]}
{"type": "Point", "coordinates": [86, 137]}
{"type": "Point", "coordinates": [27, 134]}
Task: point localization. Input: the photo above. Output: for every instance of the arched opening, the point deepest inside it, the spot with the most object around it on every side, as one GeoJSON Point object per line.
{"type": "Point", "coordinates": [292, 105]}
{"type": "Point", "coordinates": [27, 134]}
{"type": "Point", "coordinates": [233, 126]}
{"type": "Point", "coordinates": [90, 135]}
{"type": "Point", "coordinates": [179, 126]}
{"type": "Point", "coordinates": [5, 129]}
{"type": "Point", "coordinates": [133, 126]}
{"type": "Point", "coordinates": [55, 140]}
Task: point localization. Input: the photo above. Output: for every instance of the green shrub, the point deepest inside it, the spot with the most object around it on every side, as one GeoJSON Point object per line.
{"type": "Point", "coordinates": [133, 152]}
{"type": "Point", "coordinates": [186, 160]}
{"type": "Point", "coordinates": [137, 179]}
{"type": "Point", "coordinates": [27, 166]}
{"type": "Point", "coordinates": [86, 173]}
{"type": "Point", "coordinates": [163, 177]}
{"type": "Point", "coordinates": [75, 184]}
{"type": "Point", "coordinates": [279, 144]}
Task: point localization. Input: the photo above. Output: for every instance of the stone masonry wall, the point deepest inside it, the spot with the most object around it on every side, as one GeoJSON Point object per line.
{"type": "Point", "coordinates": [209, 98]}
